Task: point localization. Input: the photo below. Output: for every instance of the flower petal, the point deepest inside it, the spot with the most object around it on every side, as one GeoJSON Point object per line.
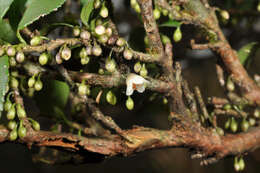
{"type": "Point", "coordinates": [140, 88]}
{"type": "Point", "coordinates": [129, 90]}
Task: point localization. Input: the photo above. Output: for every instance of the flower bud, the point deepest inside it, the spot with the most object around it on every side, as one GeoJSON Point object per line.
{"type": "Point", "coordinates": [20, 111]}
{"type": "Point", "coordinates": [85, 35]}
{"type": "Point", "coordinates": [120, 42]}
{"type": "Point", "coordinates": [38, 85]}
{"type": "Point", "coordinates": [241, 164]}
{"type": "Point", "coordinates": [83, 53]}
{"type": "Point", "coordinates": [22, 131]}
{"type": "Point", "coordinates": [11, 113]}
{"type": "Point", "coordinates": [224, 14]}
{"type": "Point", "coordinates": [133, 3]}
{"type": "Point", "coordinates": [110, 65]}
{"type": "Point", "coordinates": [251, 121]}
{"type": "Point", "coordinates": [165, 12]}
{"type": "Point", "coordinates": [31, 82]}
{"type": "Point", "coordinates": [11, 51]}
{"type": "Point", "coordinates": [143, 71]}
{"type": "Point", "coordinates": [227, 107]}
{"type": "Point", "coordinates": [111, 98]}
{"type": "Point", "coordinates": [58, 58]}
{"type": "Point", "coordinates": [8, 105]}
{"type": "Point", "coordinates": [257, 113]}
{"type": "Point", "coordinates": [103, 12]}
{"type": "Point", "coordinates": [220, 131]}
{"type": "Point", "coordinates": [36, 126]}
{"type": "Point", "coordinates": [65, 53]}
{"type": "Point", "coordinates": [101, 71]}
{"type": "Point", "coordinates": [177, 35]}
{"type": "Point", "coordinates": [129, 103]}
{"type": "Point", "coordinates": [109, 32]}
{"type": "Point", "coordinates": [100, 30]}
{"type": "Point", "coordinates": [156, 14]}
{"type": "Point", "coordinates": [83, 89]}
{"type": "Point", "coordinates": [13, 135]}
{"type": "Point", "coordinates": [230, 85]}
{"type": "Point", "coordinates": [96, 50]}
{"type": "Point", "coordinates": [244, 125]}
{"type": "Point", "coordinates": [20, 57]}
{"type": "Point", "coordinates": [165, 101]}
{"type": "Point", "coordinates": [88, 50]}
{"type": "Point", "coordinates": [76, 31]}
{"type": "Point", "coordinates": [233, 125]}
{"type": "Point", "coordinates": [227, 123]}
{"type": "Point", "coordinates": [236, 165]}
{"type": "Point", "coordinates": [137, 67]}
{"type": "Point", "coordinates": [12, 62]}
{"type": "Point", "coordinates": [12, 125]}
{"type": "Point", "coordinates": [103, 38]}
{"type": "Point", "coordinates": [43, 59]}
{"type": "Point", "coordinates": [85, 60]}
{"type": "Point", "coordinates": [165, 39]}
{"type": "Point", "coordinates": [137, 8]}
{"type": "Point", "coordinates": [14, 83]}
{"type": "Point", "coordinates": [128, 54]}
{"type": "Point", "coordinates": [36, 41]}
{"type": "Point", "coordinates": [97, 4]}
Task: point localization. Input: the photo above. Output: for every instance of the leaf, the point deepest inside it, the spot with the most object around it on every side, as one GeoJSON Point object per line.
{"type": "Point", "coordinates": [86, 11]}
{"type": "Point", "coordinates": [171, 23]}
{"type": "Point", "coordinates": [54, 93]}
{"type": "Point", "coordinates": [4, 73]}
{"type": "Point", "coordinates": [246, 52]}
{"type": "Point", "coordinates": [6, 32]}
{"type": "Point", "coordinates": [4, 6]}
{"type": "Point", "coordinates": [37, 9]}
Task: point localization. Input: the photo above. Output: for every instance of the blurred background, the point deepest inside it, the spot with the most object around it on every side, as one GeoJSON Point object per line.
{"type": "Point", "coordinates": [242, 28]}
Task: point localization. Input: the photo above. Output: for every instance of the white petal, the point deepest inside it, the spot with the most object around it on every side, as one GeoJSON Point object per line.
{"type": "Point", "coordinates": [140, 88]}
{"type": "Point", "coordinates": [134, 78]}
{"type": "Point", "coordinates": [129, 90]}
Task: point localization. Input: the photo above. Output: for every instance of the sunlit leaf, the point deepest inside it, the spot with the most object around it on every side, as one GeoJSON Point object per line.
{"type": "Point", "coordinates": [3, 80]}
{"type": "Point", "coordinates": [6, 32]}
{"type": "Point", "coordinates": [245, 53]}
{"type": "Point", "coordinates": [4, 6]}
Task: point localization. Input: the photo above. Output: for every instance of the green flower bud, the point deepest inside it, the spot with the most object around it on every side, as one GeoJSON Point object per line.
{"type": "Point", "coordinates": [89, 50]}
{"type": "Point", "coordinates": [31, 82]}
{"type": "Point", "coordinates": [227, 107]}
{"type": "Point", "coordinates": [133, 3]}
{"type": "Point", "coordinates": [111, 98]}
{"type": "Point", "coordinates": [128, 54]}
{"type": "Point", "coordinates": [177, 35]}
{"type": "Point", "coordinates": [156, 13]}
{"type": "Point", "coordinates": [100, 30]}
{"type": "Point", "coordinates": [13, 135]}
{"type": "Point", "coordinates": [129, 103]}
{"type": "Point", "coordinates": [143, 71]}
{"type": "Point", "coordinates": [20, 111]}
{"type": "Point", "coordinates": [85, 60]}
{"type": "Point", "coordinates": [76, 31]}
{"type": "Point", "coordinates": [146, 41]}
{"type": "Point", "coordinates": [224, 14]}
{"type": "Point", "coordinates": [103, 39]}
{"type": "Point", "coordinates": [120, 42]}
{"type": "Point", "coordinates": [257, 113]}
{"type": "Point", "coordinates": [96, 50]}
{"type": "Point", "coordinates": [165, 101]}
{"type": "Point", "coordinates": [20, 57]}
{"type": "Point", "coordinates": [22, 131]}
{"type": "Point", "coordinates": [244, 125]}
{"type": "Point", "coordinates": [11, 113]}
{"type": "Point", "coordinates": [8, 105]}
{"type": "Point", "coordinates": [241, 164]}
{"type": "Point", "coordinates": [43, 59]}
{"type": "Point", "coordinates": [230, 85]}
{"type": "Point", "coordinates": [110, 65]}
{"type": "Point", "coordinates": [97, 4]}
{"type": "Point", "coordinates": [137, 8]}
{"type": "Point", "coordinates": [103, 12]}
{"type": "Point", "coordinates": [83, 53]}
{"type": "Point", "coordinates": [137, 67]}
{"type": "Point", "coordinates": [65, 53]}
{"type": "Point", "coordinates": [233, 125]}
{"type": "Point", "coordinates": [109, 32]}
{"type": "Point", "coordinates": [227, 123]}
{"type": "Point", "coordinates": [101, 71]}
{"type": "Point", "coordinates": [83, 89]}
{"type": "Point", "coordinates": [85, 35]}
{"type": "Point", "coordinates": [36, 125]}
{"type": "Point", "coordinates": [165, 39]}
{"type": "Point", "coordinates": [11, 51]}
{"type": "Point", "coordinates": [12, 125]}
{"type": "Point", "coordinates": [14, 83]}
{"type": "Point", "coordinates": [236, 165]}
{"type": "Point", "coordinates": [251, 121]}
{"type": "Point", "coordinates": [220, 131]}
{"type": "Point", "coordinates": [36, 41]}
{"type": "Point", "coordinates": [258, 7]}
{"type": "Point", "coordinates": [165, 12]}
{"type": "Point", "coordinates": [38, 85]}
{"type": "Point", "coordinates": [12, 62]}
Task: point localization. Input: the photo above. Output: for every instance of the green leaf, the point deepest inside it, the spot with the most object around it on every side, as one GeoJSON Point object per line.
{"type": "Point", "coordinates": [6, 32]}
{"type": "Point", "coordinates": [54, 93]}
{"type": "Point", "coordinates": [86, 11]}
{"type": "Point", "coordinates": [246, 52]}
{"type": "Point", "coordinates": [4, 73]}
{"type": "Point", "coordinates": [4, 6]}
{"type": "Point", "coordinates": [37, 9]}
{"type": "Point", "coordinates": [171, 23]}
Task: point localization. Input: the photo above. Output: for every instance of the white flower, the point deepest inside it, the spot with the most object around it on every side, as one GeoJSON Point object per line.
{"type": "Point", "coordinates": [135, 82]}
